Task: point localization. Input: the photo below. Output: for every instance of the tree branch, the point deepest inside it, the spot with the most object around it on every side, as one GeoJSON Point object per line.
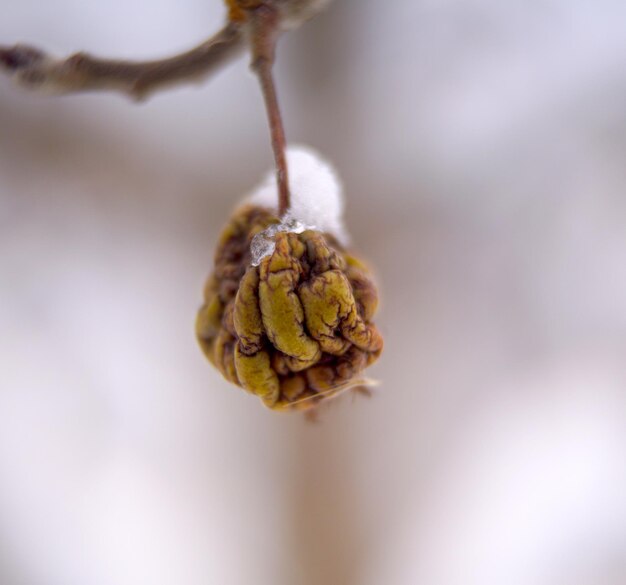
{"type": "Point", "coordinates": [36, 70]}
{"type": "Point", "coordinates": [253, 23]}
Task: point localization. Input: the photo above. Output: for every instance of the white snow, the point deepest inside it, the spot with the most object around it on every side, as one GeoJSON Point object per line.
{"type": "Point", "coordinates": [316, 200]}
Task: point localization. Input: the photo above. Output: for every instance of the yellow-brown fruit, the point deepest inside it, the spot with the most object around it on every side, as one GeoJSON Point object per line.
{"type": "Point", "coordinates": [296, 329]}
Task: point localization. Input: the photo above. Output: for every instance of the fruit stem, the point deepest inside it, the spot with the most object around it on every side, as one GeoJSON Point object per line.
{"type": "Point", "coordinates": [264, 30]}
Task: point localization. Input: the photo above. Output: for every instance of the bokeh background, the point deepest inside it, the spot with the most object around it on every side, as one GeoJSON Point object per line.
{"type": "Point", "coordinates": [482, 145]}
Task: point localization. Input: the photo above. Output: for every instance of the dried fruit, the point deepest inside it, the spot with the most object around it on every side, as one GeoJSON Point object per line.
{"type": "Point", "coordinates": [297, 328]}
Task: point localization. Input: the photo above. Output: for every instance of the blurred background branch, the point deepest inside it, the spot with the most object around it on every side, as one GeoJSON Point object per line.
{"type": "Point", "coordinates": [34, 69]}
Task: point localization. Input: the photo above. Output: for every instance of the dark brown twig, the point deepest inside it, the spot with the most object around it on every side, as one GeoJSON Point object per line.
{"type": "Point", "coordinates": [264, 32]}
{"type": "Point", "coordinates": [34, 69]}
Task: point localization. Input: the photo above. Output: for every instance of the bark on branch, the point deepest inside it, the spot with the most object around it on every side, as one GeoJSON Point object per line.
{"type": "Point", "coordinates": [34, 69]}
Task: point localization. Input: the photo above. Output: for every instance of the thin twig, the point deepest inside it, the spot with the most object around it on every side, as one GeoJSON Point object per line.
{"type": "Point", "coordinates": [257, 23]}
{"type": "Point", "coordinates": [34, 69]}
{"type": "Point", "coordinates": [265, 28]}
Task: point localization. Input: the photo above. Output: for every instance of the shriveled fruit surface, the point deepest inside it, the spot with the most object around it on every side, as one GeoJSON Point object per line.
{"type": "Point", "coordinates": [297, 328]}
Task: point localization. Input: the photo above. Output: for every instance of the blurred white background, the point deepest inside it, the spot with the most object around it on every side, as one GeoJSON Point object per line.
{"type": "Point", "coordinates": [482, 145]}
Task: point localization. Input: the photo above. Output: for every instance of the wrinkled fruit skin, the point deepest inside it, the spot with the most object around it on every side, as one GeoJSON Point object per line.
{"type": "Point", "coordinates": [297, 328]}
